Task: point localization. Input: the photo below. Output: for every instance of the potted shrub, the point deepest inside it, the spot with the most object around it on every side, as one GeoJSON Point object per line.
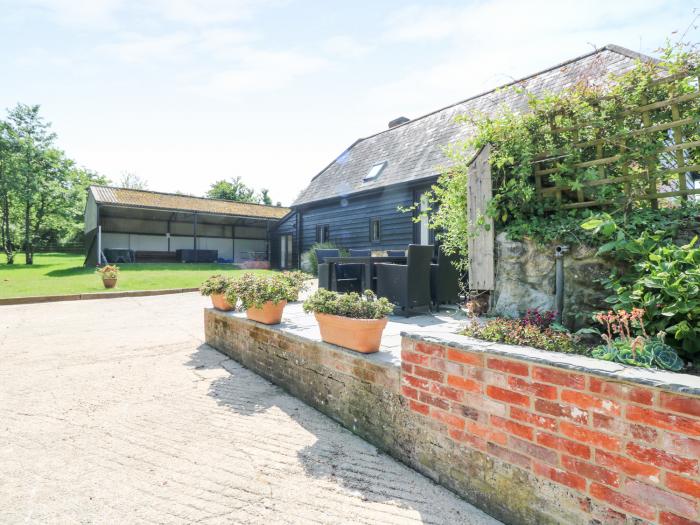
{"type": "Point", "coordinates": [350, 320]}
{"type": "Point", "coordinates": [109, 273]}
{"type": "Point", "coordinates": [216, 287]}
{"type": "Point", "coordinates": [263, 297]}
{"type": "Point", "coordinates": [297, 280]}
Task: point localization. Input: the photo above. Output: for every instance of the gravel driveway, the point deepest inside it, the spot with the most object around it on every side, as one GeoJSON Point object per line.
{"type": "Point", "coordinates": [114, 411]}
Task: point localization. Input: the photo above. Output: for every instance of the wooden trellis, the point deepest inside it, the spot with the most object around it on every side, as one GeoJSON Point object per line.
{"type": "Point", "coordinates": [613, 169]}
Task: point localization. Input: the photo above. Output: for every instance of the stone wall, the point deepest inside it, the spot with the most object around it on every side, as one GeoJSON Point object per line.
{"type": "Point", "coordinates": [530, 437]}
{"type": "Point", "coordinates": [525, 279]}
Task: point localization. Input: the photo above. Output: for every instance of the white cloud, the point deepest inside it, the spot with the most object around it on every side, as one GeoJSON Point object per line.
{"type": "Point", "coordinates": [134, 48]}
{"type": "Point", "coordinates": [344, 46]}
{"type": "Point", "coordinates": [260, 70]}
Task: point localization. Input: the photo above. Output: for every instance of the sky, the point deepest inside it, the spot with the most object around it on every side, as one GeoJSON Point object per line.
{"type": "Point", "coordinates": [184, 93]}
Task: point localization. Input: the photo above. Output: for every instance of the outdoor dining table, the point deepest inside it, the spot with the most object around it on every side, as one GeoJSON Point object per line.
{"type": "Point", "coordinates": [367, 271]}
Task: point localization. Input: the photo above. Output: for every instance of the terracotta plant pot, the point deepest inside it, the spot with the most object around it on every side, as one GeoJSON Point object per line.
{"type": "Point", "coordinates": [218, 301]}
{"type": "Point", "coordinates": [361, 335]}
{"type": "Point", "coordinates": [270, 313]}
{"type": "Point", "coordinates": [109, 283]}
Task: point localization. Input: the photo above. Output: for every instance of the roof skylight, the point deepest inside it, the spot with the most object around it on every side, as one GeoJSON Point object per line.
{"type": "Point", "coordinates": [375, 171]}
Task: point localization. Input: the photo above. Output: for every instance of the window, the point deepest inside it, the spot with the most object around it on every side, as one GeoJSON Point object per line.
{"type": "Point", "coordinates": [375, 232]}
{"type": "Point", "coordinates": [375, 171]}
{"type": "Point", "coordinates": [323, 233]}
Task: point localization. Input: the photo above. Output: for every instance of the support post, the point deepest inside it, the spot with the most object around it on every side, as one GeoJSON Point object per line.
{"type": "Point", "coordinates": [99, 244]}
{"type": "Point", "coordinates": [267, 237]}
{"type": "Point", "coordinates": [194, 234]}
{"type": "Point", "coordinates": [233, 243]}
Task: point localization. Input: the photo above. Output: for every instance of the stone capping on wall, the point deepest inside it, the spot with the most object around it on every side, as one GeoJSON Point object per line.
{"type": "Point", "coordinates": [33, 299]}
{"type": "Point", "coordinates": [670, 381]}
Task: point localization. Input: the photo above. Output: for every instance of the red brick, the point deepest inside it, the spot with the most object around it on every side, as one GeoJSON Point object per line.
{"type": "Point", "coordinates": [628, 466]}
{"type": "Point", "coordinates": [464, 384]}
{"type": "Point", "coordinates": [437, 363]}
{"type": "Point", "coordinates": [559, 476]}
{"type": "Point", "coordinates": [486, 404]}
{"type": "Point", "coordinates": [626, 503]}
{"type": "Point", "coordinates": [643, 396]}
{"type": "Point", "coordinates": [666, 518]}
{"type": "Point", "coordinates": [416, 382]}
{"type": "Point", "coordinates": [512, 427]}
{"type": "Point", "coordinates": [681, 484]}
{"type": "Point", "coordinates": [409, 392]}
{"type": "Point", "coordinates": [598, 404]}
{"type": "Point", "coordinates": [433, 375]}
{"type": "Point", "coordinates": [418, 407]}
{"type": "Point", "coordinates": [541, 453]}
{"type": "Point", "coordinates": [407, 368]}
{"type": "Point", "coordinates": [660, 498]}
{"type": "Point", "coordinates": [454, 368]}
{"type": "Point", "coordinates": [662, 459]}
{"type": "Point", "coordinates": [684, 404]}
{"type": "Point", "coordinates": [507, 396]}
{"type": "Point", "coordinates": [563, 444]}
{"type": "Point", "coordinates": [470, 413]}
{"type": "Point", "coordinates": [447, 418]}
{"type": "Point", "coordinates": [589, 436]}
{"type": "Point", "coordinates": [469, 438]}
{"type": "Point", "coordinates": [412, 357]}
{"type": "Point", "coordinates": [559, 410]}
{"type": "Point", "coordinates": [512, 367]}
{"type": "Point", "coordinates": [548, 423]}
{"type": "Point", "coordinates": [609, 424]}
{"type": "Point", "coordinates": [643, 433]}
{"type": "Point", "coordinates": [684, 446]}
{"type": "Point", "coordinates": [587, 470]}
{"type": "Point", "coordinates": [465, 357]}
{"type": "Point", "coordinates": [433, 400]}
{"type": "Point", "coordinates": [486, 433]}
{"type": "Point", "coordinates": [537, 389]}
{"type": "Point", "coordinates": [508, 455]}
{"type": "Point", "coordinates": [430, 349]}
{"type": "Point", "coordinates": [559, 377]}
{"type": "Point", "coordinates": [672, 422]}
{"type": "Point", "coordinates": [446, 391]}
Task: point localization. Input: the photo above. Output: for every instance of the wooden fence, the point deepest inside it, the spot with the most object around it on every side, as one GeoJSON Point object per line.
{"type": "Point", "coordinates": [661, 173]}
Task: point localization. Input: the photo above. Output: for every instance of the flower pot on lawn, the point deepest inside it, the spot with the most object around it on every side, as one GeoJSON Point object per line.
{"type": "Point", "coordinates": [269, 313]}
{"type": "Point", "coordinates": [361, 335]}
{"type": "Point", "coordinates": [109, 274]}
{"type": "Point", "coordinates": [109, 283]}
{"type": "Point", "coordinates": [219, 301]}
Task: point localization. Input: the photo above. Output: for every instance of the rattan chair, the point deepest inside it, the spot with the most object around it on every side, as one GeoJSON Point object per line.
{"type": "Point", "coordinates": [407, 285]}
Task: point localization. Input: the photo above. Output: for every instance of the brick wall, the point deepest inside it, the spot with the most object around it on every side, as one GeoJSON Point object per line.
{"type": "Point", "coordinates": [629, 450]}
{"type": "Point", "coordinates": [527, 442]}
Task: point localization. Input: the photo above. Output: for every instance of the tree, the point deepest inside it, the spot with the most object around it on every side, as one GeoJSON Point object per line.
{"type": "Point", "coordinates": [132, 181]}
{"type": "Point", "coordinates": [8, 187]}
{"type": "Point", "coordinates": [34, 139]}
{"type": "Point", "coordinates": [265, 197]}
{"type": "Point", "coordinates": [233, 190]}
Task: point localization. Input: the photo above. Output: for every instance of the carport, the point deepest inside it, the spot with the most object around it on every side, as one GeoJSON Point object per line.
{"type": "Point", "coordinates": [126, 225]}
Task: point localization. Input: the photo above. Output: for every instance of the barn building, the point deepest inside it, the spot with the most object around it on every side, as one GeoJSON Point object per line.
{"type": "Point", "coordinates": [126, 225]}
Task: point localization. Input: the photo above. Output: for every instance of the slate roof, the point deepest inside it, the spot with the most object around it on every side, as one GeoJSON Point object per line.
{"type": "Point", "coordinates": [415, 150]}
{"type": "Point", "coordinates": [170, 201]}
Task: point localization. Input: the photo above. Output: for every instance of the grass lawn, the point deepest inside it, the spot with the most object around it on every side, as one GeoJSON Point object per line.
{"type": "Point", "coordinates": [62, 273]}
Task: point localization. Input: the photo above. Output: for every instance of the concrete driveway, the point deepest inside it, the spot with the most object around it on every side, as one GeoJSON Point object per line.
{"type": "Point", "coordinates": [114, 411]}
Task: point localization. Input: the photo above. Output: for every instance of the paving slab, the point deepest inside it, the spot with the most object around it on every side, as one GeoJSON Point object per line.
{"type": "Point", "coordinates": [114, 411]}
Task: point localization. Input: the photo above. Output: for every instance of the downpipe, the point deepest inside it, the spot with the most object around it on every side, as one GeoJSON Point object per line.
{"type": "Point", "coordinates": [559, 252]}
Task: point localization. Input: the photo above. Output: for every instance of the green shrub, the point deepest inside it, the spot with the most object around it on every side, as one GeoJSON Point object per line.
{"type": "Point", "coordinates": [311, 254]}
{"type": "Point", "coordinates": [256, 290]}
{"type": "Point", "coordinates": [353, 305]}
{"type": "Point", "coordinates": [516, 332]}
{"type": "Point", "coordinates": [296, 279]}
{"type": "Point", "coordinates": [663, 280]}
{"type": "Point", "coordinates": [216, 284]}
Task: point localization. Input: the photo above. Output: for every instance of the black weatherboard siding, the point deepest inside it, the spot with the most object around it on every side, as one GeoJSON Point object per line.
{"type": "Point", "coordinates": [349, 219]}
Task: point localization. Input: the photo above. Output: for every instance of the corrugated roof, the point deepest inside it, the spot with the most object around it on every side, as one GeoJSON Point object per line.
{"type": "Point", "coordinates": [415, 150]}
{"type": "Point", "coordinates": [170, 201]}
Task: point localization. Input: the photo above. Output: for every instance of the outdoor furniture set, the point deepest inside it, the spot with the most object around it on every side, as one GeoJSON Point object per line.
{"type": "Point", "coordinates": [409, 279]}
